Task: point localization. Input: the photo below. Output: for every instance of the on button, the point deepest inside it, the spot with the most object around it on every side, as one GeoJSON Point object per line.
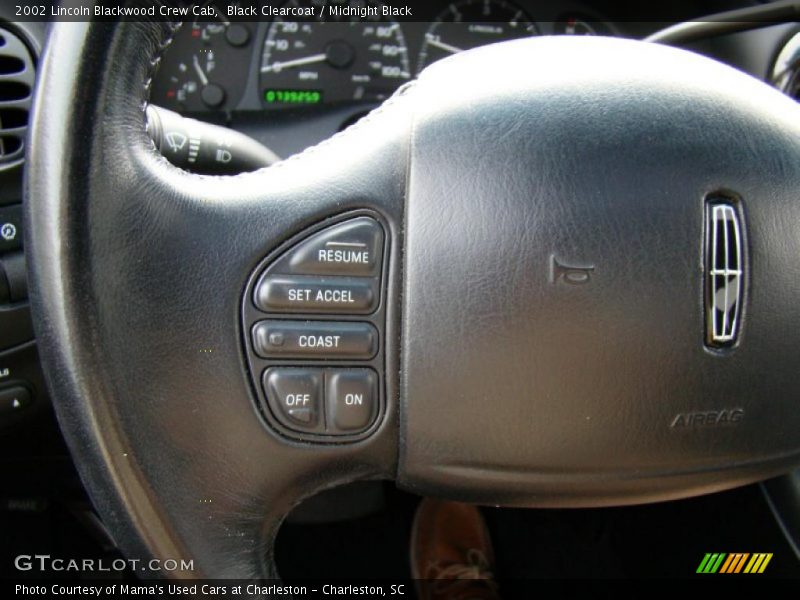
{"type": "Point", "coordinates": [351, 399]}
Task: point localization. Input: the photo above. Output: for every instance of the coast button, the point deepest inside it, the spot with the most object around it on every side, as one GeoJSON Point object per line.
{"type": "Point", "coordinates": [315, 339]}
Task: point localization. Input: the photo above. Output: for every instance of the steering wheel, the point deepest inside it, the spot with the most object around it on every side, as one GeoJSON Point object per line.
{"type": "Point", "coordinates": [571, 274]}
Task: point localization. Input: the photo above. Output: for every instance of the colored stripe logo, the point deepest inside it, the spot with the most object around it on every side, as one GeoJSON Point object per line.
{"type": "Point", "coordinates": [736, 562]}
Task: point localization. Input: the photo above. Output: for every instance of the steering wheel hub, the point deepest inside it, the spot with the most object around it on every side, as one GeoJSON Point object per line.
{"type": "Point", "coordinates": [563, 227]}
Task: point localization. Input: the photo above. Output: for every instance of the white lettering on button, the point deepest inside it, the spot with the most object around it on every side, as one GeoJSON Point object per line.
{"type": "Point", "coordinates": [319, 341]}
{"type": "Point", "coordinates": [298, 399]}
{"type": "Point", "coordinates": [324, 296]}
{"type": "Point", "coordinates": [360, 257]}
{"type": "Point", "coordinates": [340, 296]}
{"type": "Point", "coordinates": [354, 399]}
{"type": "Point", "coordinates": [299, 295]}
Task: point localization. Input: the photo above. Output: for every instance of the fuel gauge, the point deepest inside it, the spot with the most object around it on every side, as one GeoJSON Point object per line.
{"type": "Point", "coordinates": [205, 68]}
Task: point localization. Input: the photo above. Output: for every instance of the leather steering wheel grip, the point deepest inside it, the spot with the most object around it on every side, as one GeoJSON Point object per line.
{"type": "Point", "coordinates": [137, 273]}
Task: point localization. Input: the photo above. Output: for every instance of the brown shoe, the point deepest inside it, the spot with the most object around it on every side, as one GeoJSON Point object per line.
{"type": "Point", "coordinates": [451, 553]}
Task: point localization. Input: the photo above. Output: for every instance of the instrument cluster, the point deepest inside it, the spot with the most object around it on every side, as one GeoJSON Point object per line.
{"type": "Point", "coordinates": [354, 55]}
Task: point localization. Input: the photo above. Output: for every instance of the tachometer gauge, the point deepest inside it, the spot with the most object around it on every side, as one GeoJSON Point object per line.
{"type": "Point", "coordinates": [472, 23]}
{"type": "Point", "coordinates": [332, 61]}
{"type": "Point", "coordinates": [205, 68]}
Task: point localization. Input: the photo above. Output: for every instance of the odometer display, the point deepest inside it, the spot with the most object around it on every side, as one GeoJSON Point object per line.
{"type": "Point", "coordinates": [292, 96]}
{"type": "Point", "coordinates": [340, 61]}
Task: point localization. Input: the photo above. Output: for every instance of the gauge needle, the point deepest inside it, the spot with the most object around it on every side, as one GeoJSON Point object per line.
{"type": "Point", "coordinates": [200, 74]}
{"type": "Point", "coordinates": [297, 62]}
{"type": "Point", "coordinates": [443, 46]}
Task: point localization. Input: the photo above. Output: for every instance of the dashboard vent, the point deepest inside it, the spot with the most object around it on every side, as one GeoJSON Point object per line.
{"type": "Point", "coordinates": [17, 75]}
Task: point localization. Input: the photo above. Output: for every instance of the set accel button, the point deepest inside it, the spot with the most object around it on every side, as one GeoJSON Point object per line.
{"type": "Point", "coordinates": [301, 293]}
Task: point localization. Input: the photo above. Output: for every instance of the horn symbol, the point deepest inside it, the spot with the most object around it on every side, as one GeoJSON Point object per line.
{"type": "Point", "coordinates": [571, 274]}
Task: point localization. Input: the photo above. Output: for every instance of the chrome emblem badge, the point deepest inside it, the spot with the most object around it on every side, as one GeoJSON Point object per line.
{"type": "Point", "coordinates": [724, 273]}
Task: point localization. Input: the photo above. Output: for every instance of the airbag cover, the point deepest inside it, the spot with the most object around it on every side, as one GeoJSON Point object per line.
{"type": "Point", "coordinates": [553, 303]}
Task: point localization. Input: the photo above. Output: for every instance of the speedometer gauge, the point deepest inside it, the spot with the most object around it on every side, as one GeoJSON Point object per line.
{"type": "Point", "coordinates": [332, 61]}
{"type": "Point", "coordinates": [472, 23]}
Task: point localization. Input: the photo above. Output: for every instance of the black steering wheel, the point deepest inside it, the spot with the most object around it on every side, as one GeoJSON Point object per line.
{"type": "Point", "coordinates": [551, 272]}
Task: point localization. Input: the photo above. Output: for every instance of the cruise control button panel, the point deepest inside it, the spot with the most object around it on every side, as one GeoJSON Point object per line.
{"type": "Point", "coordinates": [314, 317]}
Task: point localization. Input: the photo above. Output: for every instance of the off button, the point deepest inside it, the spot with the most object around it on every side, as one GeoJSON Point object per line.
{"type": "Point", "coordinates": [295, 397]}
